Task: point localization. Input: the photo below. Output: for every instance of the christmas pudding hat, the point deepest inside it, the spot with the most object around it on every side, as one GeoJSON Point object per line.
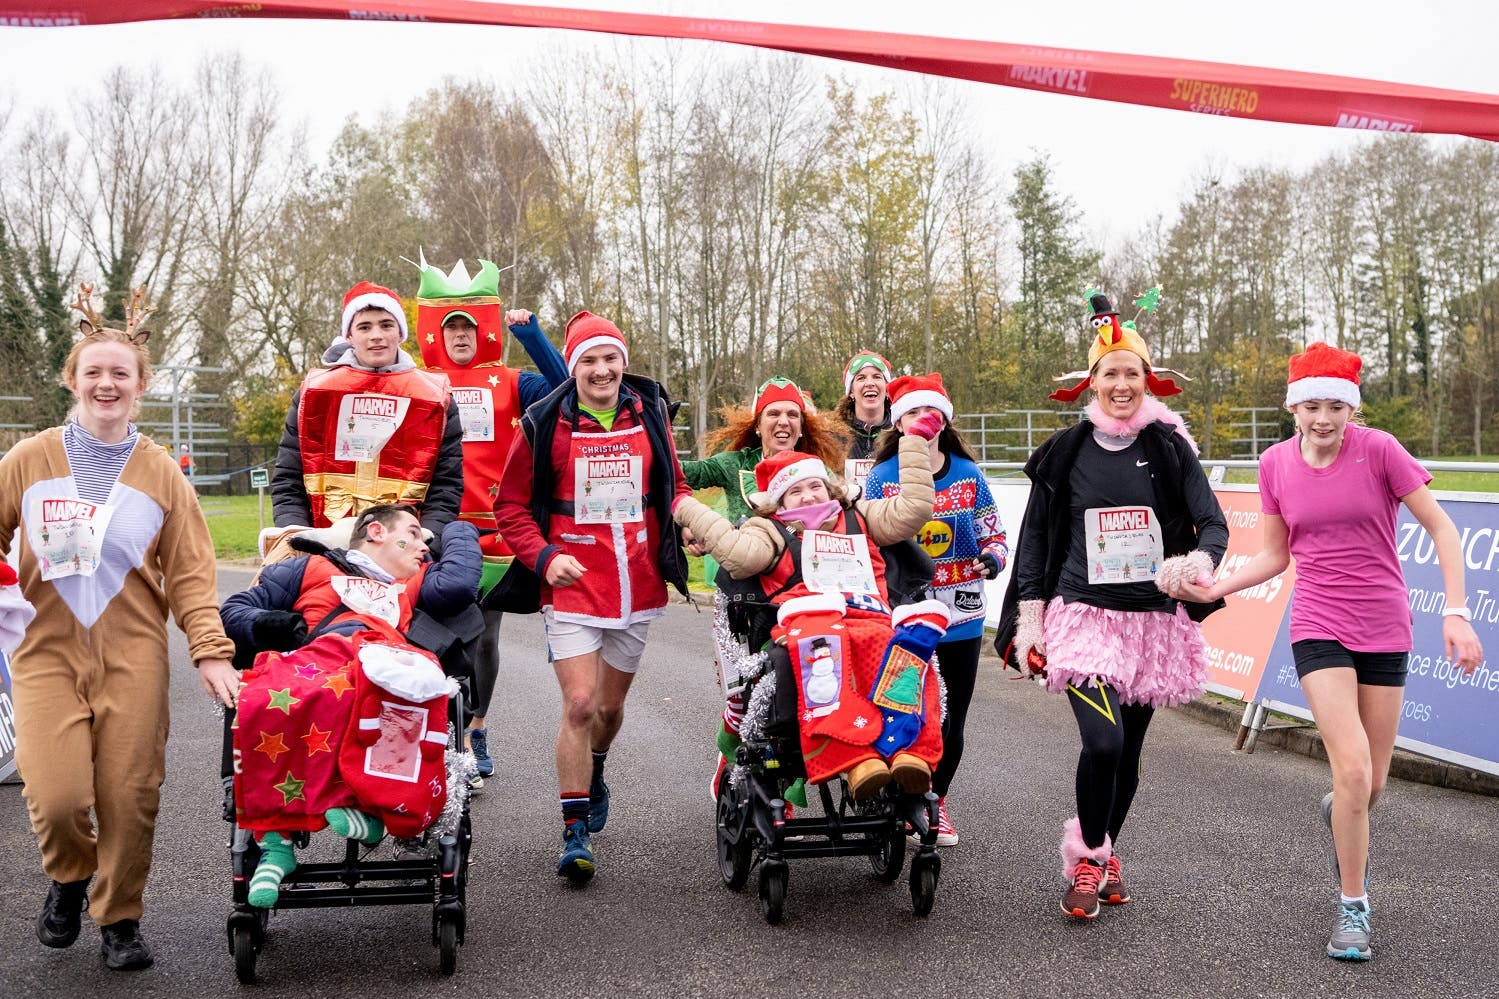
{"type": "Point", "coordinates": [1111, 335]}
{"type": "Point", "coordinates": [586, 331]}
{"type": "Point", "coordinates": [1323, 372]}
{"type": "Point", "coordinates": [441, 296]}
{"type": "Point", "coordinates": [909, 391]}
{"type": "Point", "coordinates": [779, 390]}
{"type": "Point", "coordinates": [777, 473]}
{"type": "Point", "coordinates": [368, 295]}
{"type": "Point", "coordinates": [861, 360]}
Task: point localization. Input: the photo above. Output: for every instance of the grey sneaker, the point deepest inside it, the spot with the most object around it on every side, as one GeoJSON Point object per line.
{"type": "Point", "coordinates": [1350, 933]}
{"type": "Point", "coordinates": [1332, 846]}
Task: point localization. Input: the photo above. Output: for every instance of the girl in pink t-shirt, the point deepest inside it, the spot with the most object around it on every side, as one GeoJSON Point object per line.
{"type": "Point", "coordinates": [1330, 496]}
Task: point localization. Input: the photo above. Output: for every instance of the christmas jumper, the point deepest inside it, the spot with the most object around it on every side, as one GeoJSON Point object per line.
{"type": "Point", "coordinates": [964, 525]}
{"type": "Point", "coordinates": [90, 677]}
{"type": "Point", "coordinates": [604, 497]}
{"type": "Point", "coordinates": [731, 471]}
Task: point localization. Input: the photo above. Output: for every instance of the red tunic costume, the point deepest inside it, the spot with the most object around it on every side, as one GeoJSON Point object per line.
{"type": "Point", "coordinates": [486, 390]}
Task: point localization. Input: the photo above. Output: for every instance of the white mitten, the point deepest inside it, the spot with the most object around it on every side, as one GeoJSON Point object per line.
{"type": "Point", "coordinates": [1029, 634]}
{"type": "Point", "coordinates": [1194, 567]}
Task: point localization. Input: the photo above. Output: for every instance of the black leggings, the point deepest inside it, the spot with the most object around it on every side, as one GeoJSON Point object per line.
{"type": "Point", "coordinates": [1108, 769]}
{"type": "Point", "coordinates": [958, 662]}
{"type": "Point", "coordinates": [484, 664]}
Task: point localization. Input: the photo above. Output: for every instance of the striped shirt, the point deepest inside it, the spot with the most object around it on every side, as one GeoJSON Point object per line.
{"type": "Point", "coordinates": [95, 465]}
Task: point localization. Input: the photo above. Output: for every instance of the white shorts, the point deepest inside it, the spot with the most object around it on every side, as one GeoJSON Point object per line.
{"type": "Point", "coordinates": [622, 647]}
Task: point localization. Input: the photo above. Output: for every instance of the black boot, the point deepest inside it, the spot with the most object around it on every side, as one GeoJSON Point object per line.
{"type": "Point", "coordinates": [124, 948]}
{"type": "Point", "coordinates": [62, 913]}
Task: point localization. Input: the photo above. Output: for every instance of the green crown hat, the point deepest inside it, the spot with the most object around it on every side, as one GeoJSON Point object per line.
{"type": "Point", "coordinates": [457, 283]}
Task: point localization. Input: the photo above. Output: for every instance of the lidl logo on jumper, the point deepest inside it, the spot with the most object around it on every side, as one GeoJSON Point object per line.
{"type": "Point", "coordinates": [935, 537]}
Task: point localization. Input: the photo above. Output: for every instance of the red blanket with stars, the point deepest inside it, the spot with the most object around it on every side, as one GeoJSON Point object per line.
{"type": "Point", "coordinates": [294, 709]}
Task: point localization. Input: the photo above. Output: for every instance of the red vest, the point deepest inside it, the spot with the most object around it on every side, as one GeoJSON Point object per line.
{"type": "Point", "coordinates": [369, 438]}
{"type": "Point", "coordinates": [623, 583]}
{"type": "Point", "coordinates": [325, 586]}
{"type": "Point", "coordinates": [777, 575]}
{"type": "Point", "coordinates": [488, 399]}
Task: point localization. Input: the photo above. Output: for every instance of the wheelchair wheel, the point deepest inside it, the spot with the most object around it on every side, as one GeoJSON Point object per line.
{"type": "Point", "coordinates": [245, 952]}
{"type": "Point", "coordinates": [733, 857]}
{"type": "Point", "coordinates": [447, 945]}
{"type": "Point", "coordinates": [891, 856]}
{"type": "Point", "coordinates": [923, 885]}
{"type": "Point", "coordinates": [773, 892]}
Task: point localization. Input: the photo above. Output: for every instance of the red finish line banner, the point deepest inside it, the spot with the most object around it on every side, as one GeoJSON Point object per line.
{"type": "Point", "coordinates": [1178, 84]}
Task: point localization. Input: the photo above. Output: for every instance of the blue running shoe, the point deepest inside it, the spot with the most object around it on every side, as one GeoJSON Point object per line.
{"type": "Point", "coordinates": [478, 740]}
{"type": "Point", "coordinates": [1350, 933]}
{"type": "Point", "coordinates": [576, 861]}
{"type": "Point", "coordinates": [598, 805]}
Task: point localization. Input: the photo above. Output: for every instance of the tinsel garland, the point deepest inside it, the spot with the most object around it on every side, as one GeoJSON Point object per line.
{"type": "Point", "coordinates": [756, 718]}
{"type": "Point", "coordinates": [735, 660]}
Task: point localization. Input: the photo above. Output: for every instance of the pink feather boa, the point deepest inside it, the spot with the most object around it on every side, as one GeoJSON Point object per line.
{"type": "Point", "coordinates": [1151, 409]}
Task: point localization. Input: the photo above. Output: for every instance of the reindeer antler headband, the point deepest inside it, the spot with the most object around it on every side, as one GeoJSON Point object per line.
{"type": "Point", "coordinates": [137, 309]}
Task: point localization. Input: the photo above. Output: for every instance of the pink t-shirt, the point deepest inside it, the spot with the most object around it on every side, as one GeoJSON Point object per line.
{"type": "Point", "coordinates": [1341, 522]}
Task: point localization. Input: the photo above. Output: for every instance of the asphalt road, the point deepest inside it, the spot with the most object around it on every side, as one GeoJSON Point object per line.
{"type": "Point", "coordinates": [1223, 854]}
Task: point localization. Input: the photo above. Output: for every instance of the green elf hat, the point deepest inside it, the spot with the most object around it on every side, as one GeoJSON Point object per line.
{"type": "Point", "coordinates": [864, 359]}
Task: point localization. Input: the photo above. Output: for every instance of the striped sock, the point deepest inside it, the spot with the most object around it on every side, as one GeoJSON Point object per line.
{"type": "Point", "coordinates": [276, 861]}
{"type": "Point", "coordinates": [733, 712]}
{"type": "Point", "coordinates": [351, 823]}
{"type": "Point", "coordinates": [574, 807]}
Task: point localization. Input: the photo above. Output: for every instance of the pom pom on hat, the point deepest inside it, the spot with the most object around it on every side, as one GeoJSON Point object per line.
{"type": "Point", "coordinates": [909, 391]}
{"type": "Point", "coordinates": [864, 359]}
{"type": "Point", "coordinates": [775, 474]}
{"type": "Point", "coordinates": [368, 295]}
{"type": "Point", "coordinates": [1323, 372]}
{"type": "Point", "coordinates": [586, 331]}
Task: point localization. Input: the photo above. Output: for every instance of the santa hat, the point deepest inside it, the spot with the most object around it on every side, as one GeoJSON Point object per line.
{"type": "Point", "coordinates": [909, 391]}
{"type": "Point", "coordinates": [15, 611]}
{"type": "Point", "coordinates": [776, 474]}
{"type": "Point", "coordinates": [368, 295]}
{"type": "Point", "coordinates": [1112, 335]}
{"type": "Point", "coordinates": [1323, 372]}
{"type": "Point", "coordinates": [586, 331]}
{"type": "Point", "coordinates": [779, 390]}
{"type": "Point", "coordinates": [864, 359]}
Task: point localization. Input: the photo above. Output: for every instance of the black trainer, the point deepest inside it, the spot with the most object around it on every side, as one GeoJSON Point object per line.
{"type": "Point", "coordinates": [62, 913]}
{"type": "Point", "coordinates": [124, 948]}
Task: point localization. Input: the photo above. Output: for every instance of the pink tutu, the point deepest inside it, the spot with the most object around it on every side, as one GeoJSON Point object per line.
{"type": "Point", "coordinates": [1150, 657]}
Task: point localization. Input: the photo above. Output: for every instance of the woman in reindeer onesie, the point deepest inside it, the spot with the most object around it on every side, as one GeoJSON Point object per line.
{"type": "Point", "coordinates": [110, 538]}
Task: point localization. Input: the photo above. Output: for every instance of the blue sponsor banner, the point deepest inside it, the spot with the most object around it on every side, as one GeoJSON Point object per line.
{"type": "Point", "coordinates": [7, 721]}
{"type": "Point", "coordinates": [1446, 714]}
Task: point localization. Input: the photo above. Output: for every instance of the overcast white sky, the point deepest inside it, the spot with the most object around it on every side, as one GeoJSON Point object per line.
{"type": "Point", "coordinates": [330, 69]}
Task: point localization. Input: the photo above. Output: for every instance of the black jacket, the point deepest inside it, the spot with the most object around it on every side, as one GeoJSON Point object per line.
{"type": "Point", "coordinates": [1190, 515]}
{"type": "Point", "coordinates": [289, 504]}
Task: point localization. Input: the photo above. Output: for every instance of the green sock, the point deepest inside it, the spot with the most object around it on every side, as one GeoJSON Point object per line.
{"type": "Point", "coordinates": [351, 823]}
{"type": "Point", "coordinates": [276, 861]}
{"type": "Point", "coordinates": [797, 793]}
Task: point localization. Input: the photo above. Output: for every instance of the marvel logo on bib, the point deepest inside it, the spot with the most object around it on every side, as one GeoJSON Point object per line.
{"type": "Point", "coordinates": [366, 423]}
{"type": "Point", "coordinates": [475, 412]}
{"type": "Point", "coordinates": [837, 563]}
{"type": "Point", "coordinates": [856, 470]}
{"type": "Point", "coordinates": [370, 596]}
{"type": "Point", "coordinates": [1124, 544]}
{"type": "Point", "coordinates": [608, 489]}
{"type": "Point", "coordinates": [67, 536]}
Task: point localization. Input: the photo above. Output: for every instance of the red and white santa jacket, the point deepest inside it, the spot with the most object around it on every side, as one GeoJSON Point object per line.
{"type": "Point", "coordinates": [601, 512]}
